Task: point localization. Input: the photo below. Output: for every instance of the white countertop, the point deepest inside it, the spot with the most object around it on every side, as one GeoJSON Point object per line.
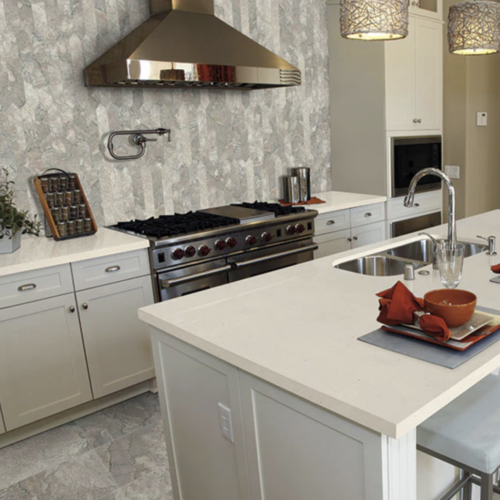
{"type": "Point", "coordinates": [298, 327]}
{"type": "Point", "coordinates": [40, 252]}
{"type": "Point", "coordinates": [337, 200]}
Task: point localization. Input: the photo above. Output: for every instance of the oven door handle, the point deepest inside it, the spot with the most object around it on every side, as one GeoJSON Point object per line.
{"type": "Point", "coordinates": [184, 279]}
{"type": "Point", "coordinates": [279, 255]}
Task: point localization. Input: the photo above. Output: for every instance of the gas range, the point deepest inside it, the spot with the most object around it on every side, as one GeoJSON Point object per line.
{"type": "Point", "coordinates": [189, 248]}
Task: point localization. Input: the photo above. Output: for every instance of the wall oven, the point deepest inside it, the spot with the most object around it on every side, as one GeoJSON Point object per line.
{"type": "Point", "coordinates": [409, 156]}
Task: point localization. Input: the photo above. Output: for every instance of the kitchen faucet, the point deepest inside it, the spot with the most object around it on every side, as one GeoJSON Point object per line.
{"type": "Point", "coordinates": [452, 223]}
{"type": "Point", "coordinates": [434, 249]}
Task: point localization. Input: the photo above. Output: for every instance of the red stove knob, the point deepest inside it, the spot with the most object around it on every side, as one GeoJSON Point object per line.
{"type": "Point", "coordinates": [220, 245]}
{"type": "Point", "coordinates": [203, 251]}
{"type": "Point", "coordinates": [178, 254]}
{"type": "Point", "coordinates": [231, 242]}
{"type": "Point", "coordinates": [290, 230]}
{"type": "Point", "coordinates": [251, 240]}
{"type": "Point", "coordinates": [267, 237]}
{"type": "Point", "coordinates": [190, 251]}
{"type": "Point", "coordinates": [299, 228]}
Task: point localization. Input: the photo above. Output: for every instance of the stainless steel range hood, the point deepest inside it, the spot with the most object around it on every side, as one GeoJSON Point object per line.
{"type": "Point", "coordinates": [183, 44]}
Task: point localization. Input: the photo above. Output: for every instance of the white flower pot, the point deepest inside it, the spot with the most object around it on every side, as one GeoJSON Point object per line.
{"type": "Point", "coordinates": [10, 245]}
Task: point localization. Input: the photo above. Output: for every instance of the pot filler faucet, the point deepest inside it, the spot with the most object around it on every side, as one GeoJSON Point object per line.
{"type": "Point", "coordinates": [452, 223]}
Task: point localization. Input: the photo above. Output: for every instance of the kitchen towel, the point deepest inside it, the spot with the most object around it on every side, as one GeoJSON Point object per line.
{"type": "Point", "coordinates": [312, 201]}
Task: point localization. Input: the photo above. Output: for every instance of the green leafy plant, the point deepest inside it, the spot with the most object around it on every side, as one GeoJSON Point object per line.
{"type": "Point", "coordinates": [13, 220]}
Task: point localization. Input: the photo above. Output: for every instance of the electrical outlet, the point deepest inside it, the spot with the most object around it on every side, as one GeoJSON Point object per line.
{"type": "Point", "coordinates": [452, 171]}
{"type": "Point", "coordinates": [482, 119]}
{"type": "Point", "coordinates": [226, 422]}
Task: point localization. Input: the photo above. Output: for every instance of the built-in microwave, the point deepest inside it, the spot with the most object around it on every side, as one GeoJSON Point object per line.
{"type": "Point", "coordinates": [409, 156]}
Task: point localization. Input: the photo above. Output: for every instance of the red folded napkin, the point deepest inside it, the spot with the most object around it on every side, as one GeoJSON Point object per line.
{"type": "Point", "coordinates": [496, 269]}
{"type": "Point", "coordinates": [398, 305]}
{"type": "Point", "coordinates": [313, 201]}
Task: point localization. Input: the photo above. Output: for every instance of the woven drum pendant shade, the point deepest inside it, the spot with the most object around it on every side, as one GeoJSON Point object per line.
{"type": "Point", "coordinates": [374, 19]}
{"type": "Point", "coordinates": [474, 28]}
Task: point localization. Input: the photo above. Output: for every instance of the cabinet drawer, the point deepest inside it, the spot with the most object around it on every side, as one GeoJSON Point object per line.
{"type": "Point", "coordinates": [367, 214]}
{"type": "Point", "coordinates": [29, 286]}
{"type": "Point", "coordinates": [424, 202]}
{"type": "Point", "coordinates": [332, 243]}
{"type": "Point", "coordinates": [332, 221]}
{"type": "Point", "coordinates": [110, 269]}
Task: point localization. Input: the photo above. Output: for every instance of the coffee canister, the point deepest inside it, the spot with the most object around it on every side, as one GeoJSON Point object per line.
{"type": "Point", "coordinates": [304, 175]}
{"type": "Point", "coordinates": [292, 189]}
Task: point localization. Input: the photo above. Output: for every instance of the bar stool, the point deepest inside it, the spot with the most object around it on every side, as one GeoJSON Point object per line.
{"type": "Point", "coordinates": [466, 434]}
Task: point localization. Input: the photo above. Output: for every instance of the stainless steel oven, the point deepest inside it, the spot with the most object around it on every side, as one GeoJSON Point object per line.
{"type": "Point", "coordinates": [409, 156]}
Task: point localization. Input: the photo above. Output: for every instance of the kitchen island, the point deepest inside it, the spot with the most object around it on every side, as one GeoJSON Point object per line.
{"type": "Point", "coordinates": [267, 392]}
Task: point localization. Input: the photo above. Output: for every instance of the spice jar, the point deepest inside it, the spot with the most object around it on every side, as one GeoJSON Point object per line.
{"type": "Point", "coordinates": [56, 214]}
{"type": "Point", "coordinates": [73, 212]}
{"type": "Point", "coordinates": [51, 199]}
{"type": "Point", "coordinates": [71, 227]}
{"type": "Point", "coordinates": [59, 199]}
{"type": "Point", "coordinates": [77, 196]}
{"type": "Point", "coordinates": [61, 228]}
{"type": "Point", "coordinates": [44, 182]}
{"type": "Point", "coordinates": [80, 226]}
{"type": "Point", "coordinates": [72, 182]}
{"type": "Point", "coordinates": [54, 184]}
{"type": "Point", "coordinates": [88, 225]}
{"type": "Point", "coordinates": [65, 213]}
{"type": "Point", "coordinates": [68, 198]}
{"type": "Point", "coordinates": [82, 211]}
{"type": "Point", "coordinates": [63, 182]}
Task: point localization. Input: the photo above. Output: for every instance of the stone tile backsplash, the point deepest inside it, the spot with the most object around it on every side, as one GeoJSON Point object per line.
{"type": "Point", "coordinates": [226, 146]}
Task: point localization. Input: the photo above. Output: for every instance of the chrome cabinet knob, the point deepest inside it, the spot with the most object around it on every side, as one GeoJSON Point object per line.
{"type": "Point", "coordinates": [349, 239]}
{"type": "Point", "coordinates": [85, 306]}
{"type": "Point", "coordinates": [72, 309]}
{"type": "Point", "coordinates": [355, 238]}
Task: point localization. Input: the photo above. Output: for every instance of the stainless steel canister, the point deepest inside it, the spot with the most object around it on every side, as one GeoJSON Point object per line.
{"type": "Point", "coordinates": [304, 175]}
{"type": "Point", "coordinates": [292, 189]}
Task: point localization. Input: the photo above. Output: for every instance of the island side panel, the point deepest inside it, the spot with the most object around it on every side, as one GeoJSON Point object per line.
{"type": "Point", "coordinates": [204, 465]}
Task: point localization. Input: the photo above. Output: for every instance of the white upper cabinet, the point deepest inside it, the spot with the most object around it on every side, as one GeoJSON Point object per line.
{"type": "Point", "coordinates": [432, 9]}
{"type": "Point", "coordinates": [414, 78]}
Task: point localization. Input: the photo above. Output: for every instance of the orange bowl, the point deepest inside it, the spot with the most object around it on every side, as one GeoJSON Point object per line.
{"type": "Point", "coordinates": [456, 307]}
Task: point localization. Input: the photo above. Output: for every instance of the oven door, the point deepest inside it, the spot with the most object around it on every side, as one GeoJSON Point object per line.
{"type": "Point", "coordinates": [270, 259]}
{"type": "Point", "coordinates": [191, 279]}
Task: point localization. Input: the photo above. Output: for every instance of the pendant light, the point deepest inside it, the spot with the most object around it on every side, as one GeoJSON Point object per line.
{"type": "Point", "coordinates": [373, 20]}
{"type": "Point", "coordinates": [474, 28]}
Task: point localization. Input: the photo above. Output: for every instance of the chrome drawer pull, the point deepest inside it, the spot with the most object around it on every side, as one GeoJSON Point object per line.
{"type": "Point", "coordinates": [416, 204]}
{"type": "Point", "coordinates": [113, 269]}
{"type": "Point", "coordinates": [330, 223]}
{"type": "Point", "coordinates": [368, 214]}
{"type": "Point", "coordinates": [25, 288]}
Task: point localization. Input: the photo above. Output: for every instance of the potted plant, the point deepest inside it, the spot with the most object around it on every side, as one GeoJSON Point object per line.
{"type": "Point", "coordinates": [13, 222]}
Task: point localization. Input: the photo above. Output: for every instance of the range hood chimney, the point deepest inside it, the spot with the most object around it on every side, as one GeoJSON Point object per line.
{"type": "Point", "coordinates": [183, 44]}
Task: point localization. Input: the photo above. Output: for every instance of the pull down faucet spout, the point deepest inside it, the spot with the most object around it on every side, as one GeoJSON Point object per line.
{"type": "Point", "coordinates": [452, 223]}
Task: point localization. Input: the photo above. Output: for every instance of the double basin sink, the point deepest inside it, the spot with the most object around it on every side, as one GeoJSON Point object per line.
{"type": "Point", "coordinates": [392, 261]}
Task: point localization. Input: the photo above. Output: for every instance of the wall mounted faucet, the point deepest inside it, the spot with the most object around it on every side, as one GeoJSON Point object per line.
{"type": "Point", "coordinates": [139, 139]}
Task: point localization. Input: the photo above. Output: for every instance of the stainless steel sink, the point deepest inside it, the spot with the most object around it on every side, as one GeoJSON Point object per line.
{"type": "Point", "coordinates": [377, 265]}
{"type": "Point", "coordinates": [392, 262]}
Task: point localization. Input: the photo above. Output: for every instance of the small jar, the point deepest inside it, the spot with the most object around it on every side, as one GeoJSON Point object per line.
{"type": "Point", "coordinates": [73, 212]}
{"type": "Point", "coordinates": [56, 214]}
{"type": "Point", "coordinates": [54, 184]}
{"type": "Point", "coordinates": [65, 213]}
{"type": "Point", "coordinates": [51, 199]}
{"type": "Point", "coordinates": [72, 182]}
{"type": "Point", "coordinates": [61, 229]}
{"type": "Point", "coordinates": [44, 182]}
{"type": "Point", "coordinates": [63, 182]}
{"type": "Point", "coordinates": [59, 199]}
{"type": "Point", "coordinates": [82, 210]}
{"type": "Point", "coordinates": [88, 225]}
{"type": "Point", "coordinates": [77, 196]}
{"type": "Point", "coordinates": [68, 198]}
{"type": "Point", "coordinates": [71, 227]}
{"type": "Point", "coordinates": [79, 226]}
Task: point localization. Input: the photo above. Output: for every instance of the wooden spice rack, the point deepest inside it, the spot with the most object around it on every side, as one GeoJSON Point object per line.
{"type": "Point", "coordinates": [43, 191]}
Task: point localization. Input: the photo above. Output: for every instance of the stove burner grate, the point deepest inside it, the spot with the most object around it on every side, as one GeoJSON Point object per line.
{"type": "Point", "coordinates": [271, 207]}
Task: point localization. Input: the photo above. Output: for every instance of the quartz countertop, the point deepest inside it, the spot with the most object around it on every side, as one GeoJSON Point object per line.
{"type": "Point", "coordinates": [298, 327]}
{"type": "Point", "coordinates": [41, 252]}
{"type": "Point", "coordinates": [338, 200]}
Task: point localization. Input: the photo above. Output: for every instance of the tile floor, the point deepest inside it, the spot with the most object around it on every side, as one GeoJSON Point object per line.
{"type": "Point", "coordinates": [116, 454]}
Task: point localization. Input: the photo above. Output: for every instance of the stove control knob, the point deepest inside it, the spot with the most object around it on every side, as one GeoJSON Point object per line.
{"type": "Point", "coordinates": [251, 240]}
{"type": "Point", "coordinates": [190, 251]}
{"type": "Point", "coordinates": [220, 245]}
{"type": "Point", "coordinates": [178, 254]}
{"type": "Point", "coordinates": [299, 228]}
{"type": "Point", "coordinates": [266, 237]}
{"type": "Point", "coordinates": [231, 242]}
{"type": "Point", "coordinates": [290, 230]}
{"type": "Point", "coordinates": [203, 251]}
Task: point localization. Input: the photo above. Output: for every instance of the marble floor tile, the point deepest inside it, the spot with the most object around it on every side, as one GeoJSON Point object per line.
{"type": "Point", "coordinates": [146, 488]}
{"type": "Point", "coordinates": [39, 453]}
{"type": "Point", "coordinates": [121, 419]}
{"type": "Point", "coordinates": [137, 455]}
{"type": "Point", "coordinates": [81, 478]}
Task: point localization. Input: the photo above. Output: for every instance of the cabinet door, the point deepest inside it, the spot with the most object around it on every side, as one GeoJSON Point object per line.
{"type": "Point", "coordinates": [428, 73]}
{"type": "Point", "coordinates": [332, 243]}
{"type": "Point", "coordinates": [400, 82]}
{"type": "Point", "coordinates": [427, 8]}
{"type": "Point", "coordinates": [117, 343]}
{"type": "Point", "coordinates": [366, 235]}
{"type": "Point", "coordinates": [42, 361]}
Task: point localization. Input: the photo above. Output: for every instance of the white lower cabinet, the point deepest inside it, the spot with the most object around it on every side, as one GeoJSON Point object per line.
{"type": "Point", "coordinates": [330, 243]}
{"type": "Point", "coordinates": [42, 361]}
{"type": "Point", "coordinates": [116, 342]}
{"type": "Point", "coordinates": [366, 235]}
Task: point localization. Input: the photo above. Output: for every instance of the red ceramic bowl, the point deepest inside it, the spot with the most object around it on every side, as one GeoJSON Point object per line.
{"type": "Point", "coordinates": [456, 307]}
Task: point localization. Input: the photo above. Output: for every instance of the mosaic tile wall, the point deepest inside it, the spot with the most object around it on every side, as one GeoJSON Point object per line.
{"type": "Point", "coordinates": [226, 146]}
